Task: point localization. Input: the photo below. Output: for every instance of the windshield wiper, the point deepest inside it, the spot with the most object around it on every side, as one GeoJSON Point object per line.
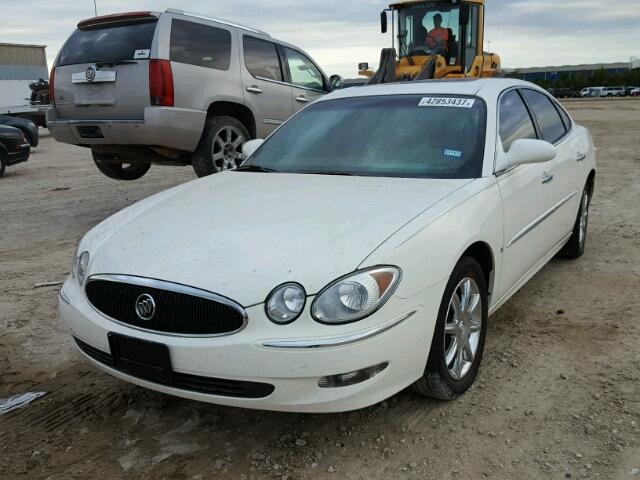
{"type": "Point", "coordinates": [255, 168]}
{"type": "Point", "coordinates": [328, 172]}
{"type": "Point", "coordinates": [112, 63]}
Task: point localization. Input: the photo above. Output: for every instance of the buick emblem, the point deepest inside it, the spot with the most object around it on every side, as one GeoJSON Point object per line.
{"type": "Point", "coordinates": [145, 307]}
{"type": "Point", "coordinates": [90, 73]}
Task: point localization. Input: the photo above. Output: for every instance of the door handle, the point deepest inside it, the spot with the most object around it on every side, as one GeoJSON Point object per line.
{"type": "Point", "coordinates": [547, 178]}
{"type": "Point", "coordinates": [302, 99]}
{"type": "Point", "coordinates": [254, 89]}
{"type": "Point", "coordinates": [581, 156]}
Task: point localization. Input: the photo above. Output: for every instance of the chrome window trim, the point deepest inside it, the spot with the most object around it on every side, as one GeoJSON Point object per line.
{"type": "Point", "coordinates": [540, 219]}
{"type": "Point", "coordinates": [172, 287]}
{"type": "Point", "coordinates": [285, 83]}
{"type": "Point", "coordinates": [338, 341]}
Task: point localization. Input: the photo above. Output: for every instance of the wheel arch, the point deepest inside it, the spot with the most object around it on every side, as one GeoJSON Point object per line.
{"type": "Point", "coordinates": [591, 183]}
{"type": "Point", "coordinates": [482, 253]}
{"type": "Point", "coordinates": [238, 111]}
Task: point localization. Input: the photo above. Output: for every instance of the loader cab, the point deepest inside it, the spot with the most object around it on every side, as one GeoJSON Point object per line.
{"type": "Point", "coordinates": [449, 28]}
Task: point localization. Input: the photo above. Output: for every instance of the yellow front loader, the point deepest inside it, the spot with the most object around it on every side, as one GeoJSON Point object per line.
{"type": "Point", "coordinates": [435, 39]}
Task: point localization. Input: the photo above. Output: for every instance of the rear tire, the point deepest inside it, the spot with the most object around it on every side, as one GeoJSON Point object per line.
{"type": "Point", "coordinates": [220, 147]}
{"type": "Point", "coordinates": [462, 320]}
{"type": "Point", "coordinates": [3, 164]}
{"type": "Point", "coordinates": [120, 171]}
{"type": "Point", "coordinates": [574, 248]}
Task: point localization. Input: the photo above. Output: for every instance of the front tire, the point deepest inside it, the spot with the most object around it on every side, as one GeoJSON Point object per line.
{"type": "Point", "coordinates": [220, 147]}
{"type": "Point", "coordinates": [574, 248]}
{"type": "Point", "coordinates": [120, 171]}
{"type": "Point", "coordinates": [458, 340]}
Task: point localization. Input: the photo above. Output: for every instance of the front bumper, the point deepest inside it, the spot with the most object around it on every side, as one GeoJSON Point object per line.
{"type": "Point", "coordinates": [21, 154]}
{"type": "Point", "coordinates": [177, 128]}
{"type": "Point", "coordinates": [307, 351]}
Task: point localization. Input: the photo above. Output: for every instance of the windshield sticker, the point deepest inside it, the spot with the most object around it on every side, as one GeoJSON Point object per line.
{"type": "Point", "coordinates": [140, 54]}
{"type": "Point", "coordinates": [447, 102]}
{"type": "Point", "coordinates": [452, 153]}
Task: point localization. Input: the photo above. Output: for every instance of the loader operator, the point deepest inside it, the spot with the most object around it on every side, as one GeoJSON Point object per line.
{"type": "Point", "coordinates": [438, 37]}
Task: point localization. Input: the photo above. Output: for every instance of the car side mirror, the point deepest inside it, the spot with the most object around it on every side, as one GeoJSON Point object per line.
{"type": "Point", "coordinates": [383, 22]}
{"type": "Point", "coordinates": [527, 151]}
{"type": "Point", "coordinates": [336, 81]}
{"type": "Point", "coordinates": [251, 146]}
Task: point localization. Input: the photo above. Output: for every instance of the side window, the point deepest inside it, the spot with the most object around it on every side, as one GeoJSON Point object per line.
{"type": "Point", "coordinates": [551, 126]}
{"type": "Point", "coordinates": [303, 72]}
{"type": "Point", "coordinates": [202, 45]}
{"type": "Point", "coordinates": [515, 121]}
{"type": "Point", "coordinates": [565, 118]}
{"type": "Point", "coordinates": [261, 59]}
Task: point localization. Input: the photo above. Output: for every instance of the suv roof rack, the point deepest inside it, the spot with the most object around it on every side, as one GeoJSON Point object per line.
{"type": "Point", "coordinates": [219, 20]}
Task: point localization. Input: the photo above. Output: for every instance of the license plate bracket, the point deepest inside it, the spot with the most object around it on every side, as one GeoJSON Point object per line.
{"type": "Point", "coordinates": [141, 358]}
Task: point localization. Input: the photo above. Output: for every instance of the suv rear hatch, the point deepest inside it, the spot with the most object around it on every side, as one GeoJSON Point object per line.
{"type": "Point", "coordinates": [102, 71]}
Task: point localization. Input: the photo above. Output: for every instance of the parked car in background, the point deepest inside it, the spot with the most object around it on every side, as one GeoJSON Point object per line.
{"type": "Point", "coordinates": [614, 92]}
{"type": "Point", "coordinates": [372, 235]}
{"type": "Point", "coordinates": [25, 125]}
{"type": "Point", "coordinates": [14, 147]}
{"type": "Point", "coordinates": [563, 93]}
{"type": "Point", "coordinates": [597, 91]}
{"type": "Point", "coordinates": [635, 92]}
{"type": "Point", "coordinates": [175, 88]}
{"type": "Point", "coordinates": [585, 92]}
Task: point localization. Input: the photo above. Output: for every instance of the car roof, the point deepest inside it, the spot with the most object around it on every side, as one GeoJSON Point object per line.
{"type": "Point", "coordinates": [487, 88]}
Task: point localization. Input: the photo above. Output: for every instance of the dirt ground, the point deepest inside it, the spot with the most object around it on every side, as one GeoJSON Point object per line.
{"type": "Point", "coordinates": [558, 395]}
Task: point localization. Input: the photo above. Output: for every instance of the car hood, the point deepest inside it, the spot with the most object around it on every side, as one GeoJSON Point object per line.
{"type": "Point", "coordinates": [242, 234]}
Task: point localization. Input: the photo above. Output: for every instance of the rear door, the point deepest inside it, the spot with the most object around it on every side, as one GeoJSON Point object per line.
{"type": "Point", "coordinates": [102, 71]}
{"type": "Point", "coordinates": [266, 92]}
{"type": "Point", "coordinates": [308, 82]}
{"type": "Point", "coordinates": [561, 172]}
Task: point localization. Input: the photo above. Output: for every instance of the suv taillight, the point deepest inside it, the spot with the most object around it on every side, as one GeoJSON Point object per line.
{"type": "Point", "coordinates": [161, 83]}
{"type": "Point", "coordinates": [52, 80]}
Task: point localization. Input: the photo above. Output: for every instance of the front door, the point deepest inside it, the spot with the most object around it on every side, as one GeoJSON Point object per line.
{"type": "Point", "coordinates": [308, 82]}
{"type": "Point", "coordinates": [265, 93]}
{"type": "Point", "coordinates": [527, 197]}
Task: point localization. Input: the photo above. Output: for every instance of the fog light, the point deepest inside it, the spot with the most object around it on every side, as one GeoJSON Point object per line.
{"type": "Point", "coordinates": [351, 378]}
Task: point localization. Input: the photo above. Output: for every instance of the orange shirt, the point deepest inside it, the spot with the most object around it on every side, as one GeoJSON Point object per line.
{"type": "Point", "coordinates": [438, 36]}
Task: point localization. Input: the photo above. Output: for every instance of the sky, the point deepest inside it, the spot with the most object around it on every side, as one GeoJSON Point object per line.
{"type": "Point", "coordinates": [339, 34]}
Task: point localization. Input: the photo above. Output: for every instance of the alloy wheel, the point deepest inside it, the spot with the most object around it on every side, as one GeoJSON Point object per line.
{"type": "Point", "coordinates": [227, 148]}
{"type": "Point", "coordinates": [462, 328]}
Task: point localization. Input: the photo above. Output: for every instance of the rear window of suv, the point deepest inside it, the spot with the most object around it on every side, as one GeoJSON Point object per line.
{"type": "Point", "coordinates": [107, 44]}
{"type": "Point", "coordinates": [201, 45]}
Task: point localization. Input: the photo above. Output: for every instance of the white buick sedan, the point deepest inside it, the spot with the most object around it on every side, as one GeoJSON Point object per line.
{"type": "Point", "coordinates": [358, 251]}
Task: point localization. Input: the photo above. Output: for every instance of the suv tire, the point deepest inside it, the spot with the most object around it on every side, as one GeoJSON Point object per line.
{"type": "Point", "coordinates": [119, 171]}
{"type": "Point", "coordinates": [220, 147]}
{"type": "Point", "coordinates": [3, 164]}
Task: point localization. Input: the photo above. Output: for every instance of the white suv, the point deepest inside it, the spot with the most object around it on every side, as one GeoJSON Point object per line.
{"type": "Point", "coordinates": [175, 88]}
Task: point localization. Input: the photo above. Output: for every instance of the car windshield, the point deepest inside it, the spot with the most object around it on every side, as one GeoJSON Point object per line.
{"type": "Point", "coordinates": [416, 136]}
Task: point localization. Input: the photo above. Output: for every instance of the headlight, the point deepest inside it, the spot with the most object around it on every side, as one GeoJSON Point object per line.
{"type": "Point", "coordinates": [74, 262]}
{"type": "Point", "coordinates": [355, 296]}
{"type": "Point", "coordinates": [285, 303]}
{"type": "Point", "coordinates": [81, 269]}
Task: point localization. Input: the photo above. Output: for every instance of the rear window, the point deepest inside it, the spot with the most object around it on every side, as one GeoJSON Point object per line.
{"type": "Point", "coordinates": [115, 43]}
{"type": "Point", "coordinates": [200, 45]}
{"type": "Point", "coordinates": [549, 120]}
